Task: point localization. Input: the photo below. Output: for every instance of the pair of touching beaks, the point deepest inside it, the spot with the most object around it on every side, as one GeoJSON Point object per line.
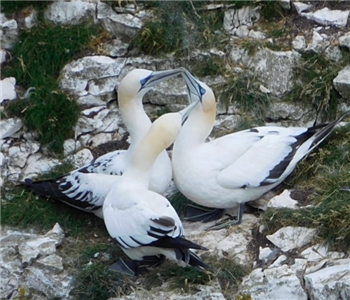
{"type": "Point", "coordinates": [195, 90]}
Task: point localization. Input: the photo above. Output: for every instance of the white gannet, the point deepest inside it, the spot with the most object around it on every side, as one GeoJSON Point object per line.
{"type": "Point", "coordinates": [238, 167]}
{"type": "Point", "coordinates": [87, 187]}
{"type": "Point", "coordinates": [142, 222]}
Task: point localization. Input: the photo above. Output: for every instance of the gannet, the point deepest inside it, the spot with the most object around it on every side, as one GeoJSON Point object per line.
{"type": "Point", "coordinates": [237, 167]}
{"type": "Point", "coordinates": [87, 187]}
{"type": "Point", "coordinates": [142, 222]}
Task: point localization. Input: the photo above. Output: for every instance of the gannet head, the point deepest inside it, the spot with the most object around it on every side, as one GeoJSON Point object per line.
{"type": "Point", "coordinates": [139, 81]}
{"type": "Point", "coordinates": [199, 91]}
{"type": "Point", "coordinates": [166, 128]}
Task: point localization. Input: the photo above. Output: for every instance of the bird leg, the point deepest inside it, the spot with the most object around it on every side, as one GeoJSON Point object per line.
{"type": "Point", "coordinates": [134, 268]}
{"type": "Point", "coordinates": [203, 214]}
{"type": "Point", "coordinates": [230, 221]}
{"type": "Point", "coordinates": [127, 267]}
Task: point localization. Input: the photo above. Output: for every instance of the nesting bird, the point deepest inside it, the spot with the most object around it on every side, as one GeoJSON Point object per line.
{"type": "Point", "coordinates": [87, 187]}
{"type": "Point", "coordinates": [142, 222]}
{"type": "Point", "coordinates": [238, 167]}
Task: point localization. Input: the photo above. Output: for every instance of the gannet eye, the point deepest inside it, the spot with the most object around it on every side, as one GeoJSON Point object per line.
{"type": "Point", "coordinates": [203, 91]}
{"type": "Point", "coordinates": [143, 81]}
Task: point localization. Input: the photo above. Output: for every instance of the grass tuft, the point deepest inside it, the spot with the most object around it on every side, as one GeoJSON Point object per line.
{"type": "Point", "coordinates": [245, 92]}
{"type": "Point", "coordinates": [315, 85]}
{"type": "Point", "coordinates": [179, 27]}
{"type": "Point", "coordinates": [23, 209]}
{"type": "Point", "coordinates": [10, 7]}
{"type": "Point", "coordinates": [39, 56]}
{"type": "Point", "coordinates": [97, 282]}
{"type": "Point", "coordinates": [228, 273]}
{"type": "Point", "coordinates": [326, 171]}
{"type": "Point", "coordinates": [270, 9]}
{"type": "Point", "coordinates": [94, 279]}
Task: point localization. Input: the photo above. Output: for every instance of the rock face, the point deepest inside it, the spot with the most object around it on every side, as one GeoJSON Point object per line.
{"type": "Point", "coordinates": [342, 82]}
{"type": "Point", "coordinates": [30, 266]}
{"type": "Point", "coordinates": [8, 89]}
{"type": "Point", "coordinates": [288, 264]}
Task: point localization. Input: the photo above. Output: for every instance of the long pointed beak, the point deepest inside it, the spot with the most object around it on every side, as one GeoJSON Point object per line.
{"type": "Point", "coordinates": [158, 76]}
{"type": "Point", "coordinates": [194, 88]}
{"type": "Point", "coordinates": [186, 111]}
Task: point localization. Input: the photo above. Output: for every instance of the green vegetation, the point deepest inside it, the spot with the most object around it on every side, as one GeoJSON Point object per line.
{"type": "Point", "coordinates": [315, 74]}
{"type": "Point", "coordinates": [245, 92]}
{"type": "Point", "coordinates": [39, 56]}
{"type": "Point", "coordinates": [2, 115]}
{"type": "Point", "coordinates": [228, 273]}
{"type": "Point", "coordinates": [325, 171]}
{"type": "Point", "coordinates": [10, 7]}
{"type": "Point", "coordinates": [271, 10]}
{"type": "Point", "coordinates": [253, 45]}
{"type": "Point", "coordinates": [179, 27]}
{"type": "Point", "coordinates": [94, 279]}
{"type": "Point", "coordinates": [24, 210]}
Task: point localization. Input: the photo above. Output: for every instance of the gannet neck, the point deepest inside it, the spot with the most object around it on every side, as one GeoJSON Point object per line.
{"type": "Point", "coordinates": [199, 123]}
{"type": "Point", "coordinates": [160, 136]}
{"type": "Point", "coordinates": [134, 117]}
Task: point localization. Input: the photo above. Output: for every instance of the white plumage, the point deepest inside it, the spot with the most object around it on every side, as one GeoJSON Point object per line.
{"type": "Point", "coordinates": [238, 167]}
{"type": "Point", "coordinates": [143, 222]}
{"type": "Point", "coordinates": [87, 187]}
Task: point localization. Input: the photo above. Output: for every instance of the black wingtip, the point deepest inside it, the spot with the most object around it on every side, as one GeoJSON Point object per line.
{"type": "Point", "coordinates": [197, 262]}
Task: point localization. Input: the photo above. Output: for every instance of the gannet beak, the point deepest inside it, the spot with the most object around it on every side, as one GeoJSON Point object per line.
{"type": "Point", "coordinates": [158, 76]}
{"type": "Point", "coordinates": [195, 90]}
{"type": "Point", "coordinates": [186, 111]}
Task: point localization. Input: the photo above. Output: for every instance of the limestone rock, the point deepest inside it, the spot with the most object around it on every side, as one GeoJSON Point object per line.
{"type": "Point", "coordinates": [288, 238]}
{"type": "Point", "coordinates": [97, 139]}
{"type": "Point", "coordinates": [299, 43]}
{"type": "Point", "coordinates": [301, 7]}
{"type": "Point", "coordinates": [7, 87]}
{"type": "Point", "coordinates": [329, 283]}
{"type": "Point", "coordinates": [90, 101]}
{"type": "Point", "coordinates": [8, 32]}
{"type": "Point", "coordinates": [96, 120]}
{"type": "Point", "coordinates": [115, 48]}
{"type": "Point", "coordinates": [81, 158]}
{"type": "Point", "coordinates": [51, 263]}
{"type": "Point", "coordinates": [239, 21]}
{"type": "Point", "coordinates": [275, 69]}
{"type": "Point", "coordinates": [342, 82]}
{"type": "Point", "coordinates": [318, 43]}
{"type": "Point", "coordinates": [224, 244]}
{"type": "Point", "coordinates": [32, 248]}
{"type": "Point", "coordinates": [9, 126]}
{"type": "Point", "coordinates": [9, 282]}
{"type": "Point", "coordinates": [285, 4]}
{"type": "Point", "coordinates": [51, 286]}
{"type": "Point", "coordinates": [283, 200]}
{"type": "Point", "coordinates": [3, 56]}
{"type": "Point", "coordinates": [74, 12]}
{"type": "Point", "coordinates": [120, 25]}
{"type": "Point", "coordinates": [38, 164]}
{"type": "Point", "coordinates": [76, 75]}
{"type": "Point", "coordinates": [325, 16]}
{"type": "Point", "coordinates": [71, 146]}
{"type": "Point", "coordinates": [212, 292]}
{"type": "Point", "coordinates": [276, 283]}
{"type": "Point", "coordinates": [18, 158]}
{"type": "Point", "coordinates": [344, 41]}
{"type": "Point", "coordinates": [101, 86]}
{"type": "Point", "coordinates": [333, 53]}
